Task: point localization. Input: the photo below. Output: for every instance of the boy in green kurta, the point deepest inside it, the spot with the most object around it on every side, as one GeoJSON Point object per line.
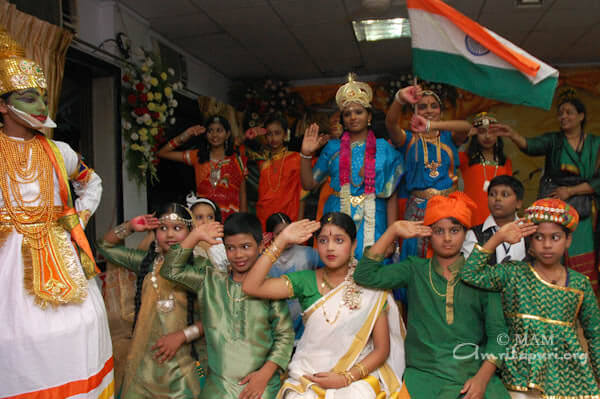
{"type": "Point", "coordinates": [454, 332]}
{"type": "Point", "coordinates": [544, 302]}
{"type": "Point", "coordinates": [248, 340]}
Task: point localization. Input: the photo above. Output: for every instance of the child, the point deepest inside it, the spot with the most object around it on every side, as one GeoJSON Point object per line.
{"type": "Point", "coordinates": [219, 171]}
{"type": "Point", "coordinates": [482, 162]}
{"type": "Point", "coordinates": [279, 187]}
{"type": "Point", "coordinates": [206, 211]}
{"type": "Point", "coordinates": [294, 258]}
{"type": "Point", "coordinates": [162, 360]}
{"type": "Point", "coordinates": [352, 345]}
{"type": "Point", "coordinates": [505, 197]}
{"type": "Point", "coordinates": [543, 300]}
{"type": "Point", "coordinates": [249, 340]}
{"type": "Point", "coordinates": [447, 319]}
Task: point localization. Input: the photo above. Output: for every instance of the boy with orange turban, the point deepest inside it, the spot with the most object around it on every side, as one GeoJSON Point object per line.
{"type": "Point", "coordinates": [544, 302]}
{"type": "Point", "coordinates": [452, 347]}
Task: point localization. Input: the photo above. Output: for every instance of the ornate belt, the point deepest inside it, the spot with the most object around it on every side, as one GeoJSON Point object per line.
{"type": "Point", "coordinates": [430, 192]}
{"type": "Point", "coordinates": [355, 200]}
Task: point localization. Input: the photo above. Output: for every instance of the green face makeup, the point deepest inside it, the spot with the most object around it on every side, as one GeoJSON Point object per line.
{"type": "Point", "coordinates": [31, 101]}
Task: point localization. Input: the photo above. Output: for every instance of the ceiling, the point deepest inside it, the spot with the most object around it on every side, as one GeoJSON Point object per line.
{"type": "Point", "coordinates": [311, 39]}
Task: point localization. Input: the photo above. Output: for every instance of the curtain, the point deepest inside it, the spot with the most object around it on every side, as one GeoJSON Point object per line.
{"type": "Point", "coordinates": [44, 43]}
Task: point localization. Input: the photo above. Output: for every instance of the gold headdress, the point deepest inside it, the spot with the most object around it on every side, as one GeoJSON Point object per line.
{"type": "Point", "coordinates": [16, 71]}
{"type": "Point", "coordinates": [354, 92]}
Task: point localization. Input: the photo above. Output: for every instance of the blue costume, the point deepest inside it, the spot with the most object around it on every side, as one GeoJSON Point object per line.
{"type": "Point", "coordinates": [421, 182]}
{"type": "Point", "coordinates": [389, 169]}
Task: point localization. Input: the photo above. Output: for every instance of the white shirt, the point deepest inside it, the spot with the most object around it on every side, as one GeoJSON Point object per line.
{"type": "Point", "coordinates": [515, 251]}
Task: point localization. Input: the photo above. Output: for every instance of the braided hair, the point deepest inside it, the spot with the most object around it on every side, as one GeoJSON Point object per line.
{"type": "Point", "coordinates": [148, 261]}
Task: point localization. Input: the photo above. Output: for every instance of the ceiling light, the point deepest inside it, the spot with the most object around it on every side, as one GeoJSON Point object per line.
{"type": "Point", "coordinates": [528, 3]}
{"type": "Point", "coordinates": [371, 30]}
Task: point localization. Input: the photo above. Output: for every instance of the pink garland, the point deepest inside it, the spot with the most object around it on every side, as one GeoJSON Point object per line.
{"type": "Point", "coordinates": [346, 156]}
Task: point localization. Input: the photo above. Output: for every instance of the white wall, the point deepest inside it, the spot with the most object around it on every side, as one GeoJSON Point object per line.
{"type": "Point", "coordinates": [103, 19]}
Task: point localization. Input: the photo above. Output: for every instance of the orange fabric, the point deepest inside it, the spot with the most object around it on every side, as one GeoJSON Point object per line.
{"type": "Point", "coordinates": [474, 179]}
{"type": "Point", "coordinates": [457, 205]}
{"type": "Point", "coordinates": [77, 234]}
{"type": "Point", "coordinates": [524, 64]}
{"type": "Point", "coordinates": [71, 388]}
{"type": "Point", "coordinates": [279, 187]}
{"type": "Point", "coordinates": [404, 392]}
{"type": "Point", "coordinates": [226, 193]}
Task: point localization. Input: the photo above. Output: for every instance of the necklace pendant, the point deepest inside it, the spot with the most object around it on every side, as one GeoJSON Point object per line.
{"type": "Point", "coordinates": [215, 176]}
{"type": "Point", "coordinates": [486, 185]}
{"type": "Point", "coordinates": [165, 305]}
{"type": "Point", "coordinates": [434, 173]}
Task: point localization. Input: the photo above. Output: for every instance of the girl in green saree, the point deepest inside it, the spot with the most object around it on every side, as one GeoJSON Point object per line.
{"type": "Point", "coordinates": [572, 172]}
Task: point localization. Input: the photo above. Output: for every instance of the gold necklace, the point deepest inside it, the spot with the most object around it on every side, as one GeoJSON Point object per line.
{"type": "Point", "coordinates": [280, 172]}
{"type": "Point", "coordinates": [547, 279]}
{"type": "Point", "coordinates": [326, 282]}
{"type": "Point", "coordinates": [229, 294]}
{"type": "Point", "coordinates": [433, 286]}
{"type": "Point", "coordinates": [162, 305]}
{"type": "Point", "coordinates": [351, 297]}
{"type": "Point", "coordinates": [26, 162]}
{"type": "Point", "coordinates": [432, 165]}
{"type": "Point", "coordinates": [215, 172]}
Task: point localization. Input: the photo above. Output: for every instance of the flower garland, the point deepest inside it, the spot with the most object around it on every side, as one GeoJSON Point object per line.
{"type": "Point", "coordinates": [147, 110]}
{"type": "Point", "coordinates": [345, 169]}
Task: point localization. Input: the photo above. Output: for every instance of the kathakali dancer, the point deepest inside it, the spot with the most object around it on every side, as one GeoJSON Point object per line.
{"type": "Point", "coordinates": [54, 340]}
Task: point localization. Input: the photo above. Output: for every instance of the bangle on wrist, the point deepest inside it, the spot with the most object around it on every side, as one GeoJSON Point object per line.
{"type": "Point", "coordinates": [397, 98]}
{"type": "Point", "coordinates": [191, 333]}
{"type": "Point", "coordinates": [427, 126]}
{"type": "Point", "coordinates": [305, 156]}
{"type": "Point", "coordinates": [122, 231]}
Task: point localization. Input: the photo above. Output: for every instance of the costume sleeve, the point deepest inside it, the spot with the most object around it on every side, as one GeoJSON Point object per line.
{"type": "Point", "coordinates": [477, 272]}
{"type": "Point", "coordinates": [540, 145]}
{"type": "Point", "coordinates": [190, 157]}
{"type": "Point", "coordinates": [86, 182]}
{"type": "Point", "coordinates": [121, 255]}
{"type": "Point", "coordinates": [391, 171]}
{"type": "Point", "coordinates": [469, 244]}
{"type": "Point", "coordinates": [321, 168]}
{"type": "Point", "coordinates": [590, 322]}
{"type": "Point", "coordinates": [463, 160]}
{"type": "Point", "coordinates": [283, 334]}
{"type": "Point", "coordinates": [495, 328]}
{"type": "Point", "coordinates": [508, 164]}
{"type": "Point", "coordinates": [176, 268]}
{"type": "Point", "coordinates": [371, 272]}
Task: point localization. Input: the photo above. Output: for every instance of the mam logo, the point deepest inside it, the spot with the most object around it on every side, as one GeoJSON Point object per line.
{"type": "Point", "coordinates": [474, 47]}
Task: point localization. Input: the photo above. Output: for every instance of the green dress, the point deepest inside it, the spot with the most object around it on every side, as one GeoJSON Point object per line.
{"type": "Point", "coordinates": [451, 327]}
{"type": "Point", "coordinates": [145, 377]}
{"type": "Point", "coordinates": [562, 160]}
{"type": "Point", "coordinates": [242, 333]}
{"type": "Point", "coordinates": [543, 351]}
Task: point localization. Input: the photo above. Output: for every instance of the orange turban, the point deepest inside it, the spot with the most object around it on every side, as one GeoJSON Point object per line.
{"type": "Point", "coordinates": [553, 210]}
{"type": "Point", "coordinates": [457, 205]}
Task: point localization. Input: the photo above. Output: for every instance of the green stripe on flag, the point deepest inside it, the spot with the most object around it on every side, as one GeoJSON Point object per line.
{"type": "Point", "coordinates": [501, 84]}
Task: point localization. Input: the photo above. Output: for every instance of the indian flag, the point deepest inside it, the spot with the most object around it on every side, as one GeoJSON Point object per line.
{"type": "Point", "coordinates": [448, 47]}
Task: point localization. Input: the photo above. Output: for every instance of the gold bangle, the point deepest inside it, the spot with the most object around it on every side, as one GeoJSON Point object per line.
{"type": "Point", "coordinates": [352, 376]}
{"type": "Point", "coordinates": [122, 231]}
{"type": "Point", "coordinates": [364, 372]}
{"type": "Point", "coordinates": [270, 255]}
{"type": "Point", "coordinates": [274, 249]}
{"type": "Point", "coordinates": [482, 249]}
{"type": "Point", "coordinates": [289, 286]}
{"type": "Point", "coordinates": [347, 379]}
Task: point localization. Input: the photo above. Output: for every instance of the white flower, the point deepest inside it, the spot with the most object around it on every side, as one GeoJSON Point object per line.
{"type": "Point", "coordinates": [146, 117]}
{"type": "Point", "coordinates": [171, 71]}
{"type": "Point", "coordinates": [149, 62]}
{"type": "Point", "coordinates": [134, 136]}
{"type": "Point", "coordinates": [127, 125]}
{"type": "Point", "coordinates": [138, 51]}
{"type": "Point", "coordinates": [139, 120]}
{"type": "Point", "coordinates": [172, 121]}
{"type": "Point", "coordinates": [146, 77]}
{"type": "Point", "coordinates": [173, 103]}
{"type": "Point", "coordinates": [163, 118]}
{"type": "Point", "coordinates": [171, 111]}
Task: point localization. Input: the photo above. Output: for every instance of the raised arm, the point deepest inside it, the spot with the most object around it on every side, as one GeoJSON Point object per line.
{"type": "Point", "coordinates": [168, 150]}
{"type": "Point", "coordinates": [176, 267]}
{"type": "Point", "coordinates": [311, 142]}
{"type": "Point", "coordinates": [256, 282]}
{"type": "Point", "coordinates": [407, 95]}
{"type": "Point", "coordinates": [460, 129]}
{"type": "Point", "coordinates": [501, 130]}
{"type": "Point", "coordinates": [370, 271]}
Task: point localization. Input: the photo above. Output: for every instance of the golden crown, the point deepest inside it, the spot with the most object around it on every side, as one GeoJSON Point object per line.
{"type": "Point", "coordinates": [480, 119]}
{"type": "Point", "coordinates": [354, 92]}
{"type": "Point", "coordinates": [16, 71]}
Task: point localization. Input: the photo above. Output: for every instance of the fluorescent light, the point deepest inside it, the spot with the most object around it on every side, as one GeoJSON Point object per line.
{"type": "Point", "coordinates": [371, 30]}
{"type": "Point", "coordinates": [528, 3]}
